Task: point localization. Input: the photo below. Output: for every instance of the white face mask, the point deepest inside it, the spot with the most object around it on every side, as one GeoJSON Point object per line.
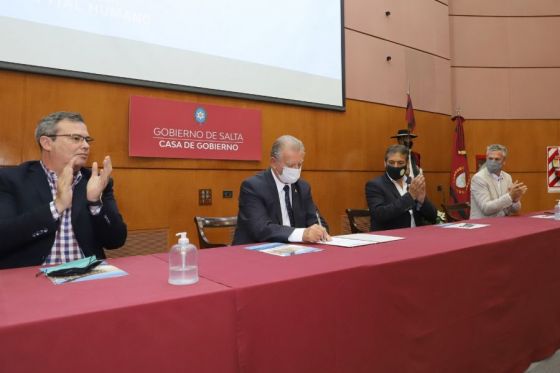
{"type": "Point", "coordinates": [289, 175]}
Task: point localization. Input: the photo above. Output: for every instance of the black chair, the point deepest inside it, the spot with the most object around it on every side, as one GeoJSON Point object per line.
{"type": "Point", "coordinates": [456, 211]}
{"type": "Point", "coordinates": [359, 220]}
{"type": "Point", "coordinates": [204, 222]}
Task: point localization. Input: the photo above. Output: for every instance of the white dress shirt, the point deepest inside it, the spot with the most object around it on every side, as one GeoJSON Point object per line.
{"type": "Point", "coordinates": [498, 179]}
{"type": "Point", "coordinates": [498, 184]}
{"type": "Point", "coordinates": [402, 191]}
{"type": "Point", "coordinates": [297, 234]}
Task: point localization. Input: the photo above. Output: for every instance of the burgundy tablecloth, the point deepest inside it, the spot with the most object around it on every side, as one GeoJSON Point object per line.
{"type": "Point", "coordinates": [442, 300]}
{"type": "Point", "coordinates": [136, 323]}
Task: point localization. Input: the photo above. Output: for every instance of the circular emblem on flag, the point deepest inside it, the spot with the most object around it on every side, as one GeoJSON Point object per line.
{"type": "Point", "coordinates": [461, 180]}
{"type": "Point", "coordinates": [200, 115]}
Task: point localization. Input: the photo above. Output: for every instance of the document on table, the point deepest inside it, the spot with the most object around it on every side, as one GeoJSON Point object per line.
{"type": "Point", "coordinates": [282, 249]}
{"type": "Point", "coordinates": [372, 238]}
{"type": "Point", "coordinates": [544, 216]}
{"type": "Point", "coordinates": [358, 239]}
{"type": "Point", "coordinates": [463, 225]}
{"type": "Point", "coordinates": [344, 242]}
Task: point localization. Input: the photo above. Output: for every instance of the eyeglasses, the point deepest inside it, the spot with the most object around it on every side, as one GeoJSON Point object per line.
{"type": "Point", "coordinates": [75, 138]}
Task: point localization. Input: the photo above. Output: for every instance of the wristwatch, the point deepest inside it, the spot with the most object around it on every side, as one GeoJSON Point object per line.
{"type": "Point", "coordinates": [95, 203]}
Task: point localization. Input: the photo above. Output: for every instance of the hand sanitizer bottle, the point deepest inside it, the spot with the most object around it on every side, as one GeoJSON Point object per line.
{"type": "Point", "coordinates": [183, 262]}
{"type": "Point", "coordinates": [557, 210]}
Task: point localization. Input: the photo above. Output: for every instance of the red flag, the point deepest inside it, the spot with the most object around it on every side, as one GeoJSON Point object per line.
{"type": "Point", "coordinates": [460, 186]}
{"type": "Point", "coordinates": [410, 114]}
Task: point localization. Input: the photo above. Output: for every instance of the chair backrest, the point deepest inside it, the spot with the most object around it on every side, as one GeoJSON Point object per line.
{"type": "Point", "coordinates": [359, 220]}
{"type": "Point", "coordinates": [205, 222]}
{"type": "Point", "coordinates": [457, 211]}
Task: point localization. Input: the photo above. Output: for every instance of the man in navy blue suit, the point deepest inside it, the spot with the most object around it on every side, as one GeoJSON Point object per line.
{"type": "Point", "coordinates": [276, 205]}
{"type": "Point", "coordinates": [55, 210]}
{"type": "Point", "coordinates": [394, 199]}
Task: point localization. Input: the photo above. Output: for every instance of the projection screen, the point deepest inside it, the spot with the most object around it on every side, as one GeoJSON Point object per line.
{"type": "Point", "coordinates": [289, 51]}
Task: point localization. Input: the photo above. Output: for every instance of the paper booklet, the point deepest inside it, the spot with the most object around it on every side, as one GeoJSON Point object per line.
{"type": "Point", "coordinates": [100, 272]}
{"type": "Point", "coordinates": [282, 249]}
{"type": "Point", "coordinates": [463, 225]}
{"type": "Point", "coordinates": [375, 238]}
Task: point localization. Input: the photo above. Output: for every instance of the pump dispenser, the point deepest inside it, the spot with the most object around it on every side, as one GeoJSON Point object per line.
{"type": "Point", "coordinates": [183, 262]}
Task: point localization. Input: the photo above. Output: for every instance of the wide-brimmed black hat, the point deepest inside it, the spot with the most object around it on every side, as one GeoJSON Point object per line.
{"type": "Point", "coordinates": [402, 133]}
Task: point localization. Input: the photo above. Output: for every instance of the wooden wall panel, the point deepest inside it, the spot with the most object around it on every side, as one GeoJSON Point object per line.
{"type": "Point", "coordinates": [159, 198]}
{"type": "Point", "coordinates": [505, 41]}
{"type": "Point", "coordinates": [12, 111]}
{"type": "Point", "coordinates": [419, 24]}
{"type": "Point", "coordinates": [370, 77]}
{"type": "Point", "coordinates": [479, 41]}
{"type": "Point", "coordinates": [504, 8]}
{"type": "Point", "coordinates": [512, 93]}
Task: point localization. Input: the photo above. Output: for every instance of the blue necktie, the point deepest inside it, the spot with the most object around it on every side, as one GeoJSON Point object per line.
{"type": "Point", "coordinates": [289, 205]}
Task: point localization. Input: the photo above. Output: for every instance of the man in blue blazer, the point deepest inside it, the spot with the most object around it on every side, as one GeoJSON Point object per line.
{"type": "Point", "coordinates": [276, 205]}
{"type": "Point", "coordinates": [55, 210]}
{"type": "Point", "coordinates": [394, 200]}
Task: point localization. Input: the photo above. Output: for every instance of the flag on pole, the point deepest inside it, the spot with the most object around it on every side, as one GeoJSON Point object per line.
{"type": "Point", "coordinates": [410, 114]}
{"type": "Point", "coordinates": [460, 186]}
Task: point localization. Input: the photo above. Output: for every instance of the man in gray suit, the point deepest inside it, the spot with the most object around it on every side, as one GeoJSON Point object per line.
{"type": "Point", "coordinates": [492, 191]}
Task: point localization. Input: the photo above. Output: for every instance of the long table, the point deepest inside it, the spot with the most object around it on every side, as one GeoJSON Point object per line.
{"type": "Point", "coordinates": [442, 300]}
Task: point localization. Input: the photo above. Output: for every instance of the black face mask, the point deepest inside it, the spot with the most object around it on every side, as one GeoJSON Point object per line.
{"type": "Point", "coordinates": [395, 173]}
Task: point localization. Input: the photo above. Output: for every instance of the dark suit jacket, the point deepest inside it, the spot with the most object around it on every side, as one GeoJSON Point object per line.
{"type": "Point", "coordinates": [260, 216]}
{"type": "Point", "coordinates": [27, 227]}
{"type": "Point", "coordinates": [389, 210]}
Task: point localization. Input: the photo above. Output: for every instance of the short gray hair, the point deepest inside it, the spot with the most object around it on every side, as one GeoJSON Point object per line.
{"type": "Point", "coordinates": [47, 125]}
{"type": "Point", "coordinates": [283, 141]}
{"type": "Point", "coordinates": [396, 148]}
{"type": "Point", "coordinates": [497, 148]}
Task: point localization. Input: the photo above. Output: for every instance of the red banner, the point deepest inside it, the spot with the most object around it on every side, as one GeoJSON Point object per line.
{"type": "Point", "coordinates": [410, 121]}
{"type": "Point", "coordinates": [460, 178]}
{"type": "Point", "coordinates": [176, 129]}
